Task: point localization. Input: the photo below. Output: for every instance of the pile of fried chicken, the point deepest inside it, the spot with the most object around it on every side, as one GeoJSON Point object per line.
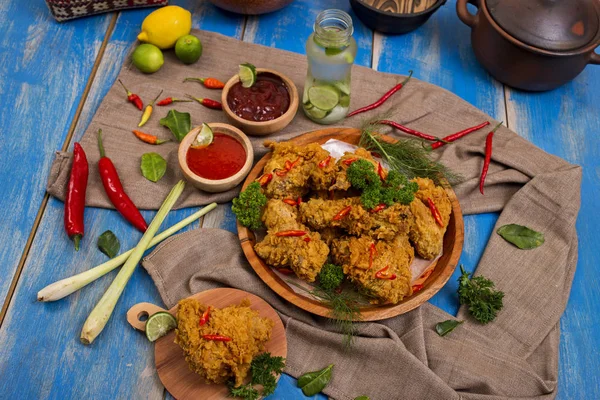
{"type": "Point", "coordinates": [314, 215]}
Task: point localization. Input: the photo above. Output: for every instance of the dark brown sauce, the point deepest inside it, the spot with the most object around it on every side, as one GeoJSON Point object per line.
{"type": "Point", "coordinates": [266, 100]}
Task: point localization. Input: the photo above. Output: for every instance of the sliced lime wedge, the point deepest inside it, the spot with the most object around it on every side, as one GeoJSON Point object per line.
{"type": "Point", "coordinates": [324, 97]}
{"type": "Point", "coordinates": [344, 100]}
{"type": "Point", "coordinates": [333, 51]}
{"type": "Point", "coordinates": [247, 75]}
{"type": "Point", "coordinates": [204, 137]}
{"type": "Point", "coordinates": [342, 87]}
{"type": "Point", "coordinates": [308, 106]}
{"type": "Point", "coordinates": [159, 324]}
{"type": "Point", "coordinates": [315, 112]}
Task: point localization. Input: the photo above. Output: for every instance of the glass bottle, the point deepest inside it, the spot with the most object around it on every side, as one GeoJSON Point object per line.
{"type": "Point", "coordinates": [330, 50]}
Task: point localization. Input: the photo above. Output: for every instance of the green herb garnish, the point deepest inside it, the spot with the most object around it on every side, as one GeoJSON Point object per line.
{"type": "Point", "coordinates": [248, 206]}
{"type": "Point", "coordinates": [395, 189]}
{"type": "Point", "coordinates": [479, 295]}
{"type": "Point", "coordinates": [331, 276]}
{"type": "Point", "coordinates": [521, 236]}
{"type": "Point", "coordinates": [444, 328]}
{"type": "Point", "coordinates": [246, 392]}
{"type": "Point", "coordinates": [264, 369]}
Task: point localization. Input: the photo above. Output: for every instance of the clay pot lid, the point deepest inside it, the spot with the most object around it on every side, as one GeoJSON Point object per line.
{"type": "Point", "coordinates": [555, 25]}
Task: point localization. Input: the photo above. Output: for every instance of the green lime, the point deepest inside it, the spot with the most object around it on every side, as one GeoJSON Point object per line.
{"type": "Point", "coordinates": [147, 58]}
{"type": "Point", "coordinates": [324, 97]}
{"type": "Point", "coordinates": [308, 106]}
{"type": "Point", "coordinates": [247, 74]}
{"type": "Point", "coordinates": [342, 87]}
{"type": "Point", "coordinates": [344, 100]}
{"type": "Point", "coordinates": [315, 113]}
{"type": "Point", "coordinates": [188, 49]}
{"type": "Point", "coordinates": [159, 324]}
{"type": "Point", "coordinates": [204, 137]}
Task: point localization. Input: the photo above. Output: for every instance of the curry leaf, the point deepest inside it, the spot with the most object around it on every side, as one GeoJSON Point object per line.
{"type": "Point", "coordinates": [109, 244]}
{"type": "Point", "coordinates": [153, 166]}
{"type": "Point", "coordinates": [521, 236]}
{"type": "Point", "coordinates": [312, 383]}
{"type": "Point", "coordinates": [444, 328]}
{"type": "Point", "coordinates": [362, 398]}
{"type": "Point", "coordinates": [180, 123]}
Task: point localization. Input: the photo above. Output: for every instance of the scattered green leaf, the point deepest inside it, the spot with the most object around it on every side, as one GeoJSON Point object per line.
{"type": "Point", "coordinates": [153, 166]}
{"type": "Point", "coordinates": [362, 398]}
{"type": "Point", "coordinates": [444, 328]}
{"type": "Point", "coordinates": [312, 383]}
{"type": "Point", "coordinates": [478, 293]}
{"type": "Point", "coordinates": [521, 236]}
{"type": "Point", "coordinates": [248, 206]}
{"type": "Point", "coordinates": [180, 123]}
{"type": "Point", "coordinates": [108, 243]}
{"type": "Point", "coordinates": [331, 276]}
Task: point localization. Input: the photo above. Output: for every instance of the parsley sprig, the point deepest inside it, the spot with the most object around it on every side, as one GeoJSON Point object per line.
{"type": "Point", "coordinates": [248, 206]}
{"type": "Point", "coordinates": [479, 295]}
{"type": "Point", "coordinates": [264, 369]}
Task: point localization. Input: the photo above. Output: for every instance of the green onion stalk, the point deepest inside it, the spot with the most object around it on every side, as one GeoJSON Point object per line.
{"type": "Point", "coordinates": [64, 287]}
{"type": "Point", "coordinates": [100, 315]}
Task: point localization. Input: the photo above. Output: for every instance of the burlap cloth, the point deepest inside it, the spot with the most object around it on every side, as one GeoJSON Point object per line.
{"type": "Point", "coordinates": [516, 356]}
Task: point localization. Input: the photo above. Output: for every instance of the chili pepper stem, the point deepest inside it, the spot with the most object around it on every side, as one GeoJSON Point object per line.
{"type": "Point", "coordinates": [76, 241]}
{"type": "Point", "coordinates": [410, 73]}
{"type": "Point", "coordinates": [156, 98]}
{"type": "Point", "coordinates": [126, 90]}
{"type": "Point", "coordinates": [100, 144]}
{"type": "Point", "coordinates": [201, 80]}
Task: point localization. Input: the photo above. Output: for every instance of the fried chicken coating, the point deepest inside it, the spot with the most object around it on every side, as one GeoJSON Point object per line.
{"type": "Point", "coordinates": [280, 216]}
{"type": "Point", "coordinates": [385, 224]}
{"type": "Point", "coordinates": [341, 180]}
{"type": "Point", "coordinates": [361, 265]}
{"type": "Point", "coordinates": [217, 361]}
{"type": "Point", "coordinates": [425, 234]}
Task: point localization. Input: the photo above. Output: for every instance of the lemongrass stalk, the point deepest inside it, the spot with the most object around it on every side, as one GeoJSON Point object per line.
{"type": "Point", "coordinates": [100, 315]}
{"type": "Point", "coordinates": [64, 287]}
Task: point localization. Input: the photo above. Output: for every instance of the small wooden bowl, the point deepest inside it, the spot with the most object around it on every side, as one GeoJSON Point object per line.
{"type": "Point", "coordinates": [442, 270]}
{"type": "Point", "coordinates": [220, 185]}
{"type": "Point", "coordinates": [265, 127]}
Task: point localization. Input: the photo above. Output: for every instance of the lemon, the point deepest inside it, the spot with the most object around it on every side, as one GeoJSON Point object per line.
{"type": "Point", "coordinates": [164, 26]}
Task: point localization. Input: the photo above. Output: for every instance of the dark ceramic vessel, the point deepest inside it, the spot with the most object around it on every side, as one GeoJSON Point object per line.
{"type": "Point", "coordinates": [251, 7]}
{"type": "Point", "coordinates": [534, 45]}
{"type": "Point", "coordinates": [385, 20]}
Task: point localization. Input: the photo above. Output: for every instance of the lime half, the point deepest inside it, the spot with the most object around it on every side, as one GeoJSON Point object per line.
{"type": "Point", "coordinates": [247, 75]}
{"type": "Point", "coordinates": [324, 97]}
{"type": "Point", "coordinates": [159, 324]}
{"type": "Point", "coordinates": [204, 137]}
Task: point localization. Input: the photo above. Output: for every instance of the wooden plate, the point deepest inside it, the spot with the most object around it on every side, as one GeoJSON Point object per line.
{"type": "Point", "coordinates": [444, 267]}
{"type": "Point", "coordinates": [171, 366]}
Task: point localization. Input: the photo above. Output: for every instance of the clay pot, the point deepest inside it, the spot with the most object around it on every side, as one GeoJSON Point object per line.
{"type": "Point", "coordinates": [535, 44]}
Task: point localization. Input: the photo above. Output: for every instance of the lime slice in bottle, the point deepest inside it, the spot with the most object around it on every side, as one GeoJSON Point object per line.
{"type": "Point", "coordinates": [204, 137]}
{"type": "Point", "coordinates": [308, 106]}
{"type": "Point", "coordinates": [333, 51]}
{"type": "Point", "coordinates": [316, 112]}
{"type": "Point", "coordinates": [247, 75]}
{"type": "Point", "coordinates": [344, 100]}
{"type": "Point", "coordinates": [159, 324]}
{"type": "Point", "coordinates": [324, 97]}
{"type": "Point", "coordinates": [342, 87]}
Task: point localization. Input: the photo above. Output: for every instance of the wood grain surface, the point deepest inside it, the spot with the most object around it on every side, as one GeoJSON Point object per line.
{"type": "Point", "coordinates": [44, 68]}
{"type": "Point", "coordinates": [443, 269]}
{"type": "Point", "coordinates": [173, 370]}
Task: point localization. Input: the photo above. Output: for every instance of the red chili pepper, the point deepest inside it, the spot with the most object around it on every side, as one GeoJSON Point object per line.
{"type": "Point", "coordinates": [417, 288]}
{"type": "Point", "coordinates": [114, 190]}
{"type": "Point", "coordinates": [210, 83]}
{"type": "Point", "coordinates": [372, 253]}
{"type": "Point", "coordinates": [265, 179]}
{"type": "Point", "coordinates": [307, 239]}
{"type": "Point", "coordinates": [382, 274]}
{"type": "Point", "coordinates": [291, 202]}
{"type": "Point", "coordinates": [325, 162]}
{"type": "Point", "coordinates": [281, 172]}
{"type": "Point", "coordinates": [75, 200]}
{"type": "Point", "coordinates": [290, 233]}
{"type": "Point", "coordinates": [170, 100]}
{"type": "Point", "coordinates": [209, 103]}
{"type": "Point", "coordinates": [458, 135]}
{"type": "Point", "coordinates": [488, 157]}
{"type": "Point", "coordinates": [380, 171]}
{"type": "Point", "coordinates": [292, 165]}
{"type": "Point", "coordinates": [409, 130]}
{"type": "Point", "coordinates": [349, 161]}
{"type": "Point", "coordinates": [204, 317]}
{"type": "Point", "coordinates": [434, 211]}
{"type": "Point", "coordinates": [285, 271]}
{"type": "Point", "coordinates": [383, 98]}
{"type": "Point", "coordinates": [345, 211]}
{"type": "Point", "coordinates": [378, 208]}
{"type": "Point", "coordinates": [133, 98]}
{"type": "Point", "coordinates": [288, 165]}
{"type": "Point", "coordinates": [147, 138]}
{"type": "Point", "coordinates": [218, 338]}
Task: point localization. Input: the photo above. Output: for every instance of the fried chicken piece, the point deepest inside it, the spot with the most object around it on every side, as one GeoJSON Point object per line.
{"type": "Point", "coordinates": [385, 224]}
{"type": "Point", "coordinates": [425, 234]}
{"type": "Point", "coordinates": [341, 179]}
{"type": "Point", "coordinates": [218, 361]}
{"type": "Point", "coordinates": [324, 172]}
{"type": "Point", "coordinates": [391, 259]}
{"type": "Point", "coordinates": [329, 234]}
{"type": "Point", "coordinates": [281, 216]}
{"type": "Point", "coordinates": [291, 167]}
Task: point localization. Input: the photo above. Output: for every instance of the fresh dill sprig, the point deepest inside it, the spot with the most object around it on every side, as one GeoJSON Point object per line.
{"type": "Point", "coordinates": [410, 157]}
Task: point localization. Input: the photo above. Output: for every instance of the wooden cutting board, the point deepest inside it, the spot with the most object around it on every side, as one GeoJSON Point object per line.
{"type": "Point", "coordinates": [171, 366]}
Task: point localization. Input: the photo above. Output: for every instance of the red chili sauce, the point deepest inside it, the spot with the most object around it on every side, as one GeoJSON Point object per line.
{"type": "Point", "coordinates": [223, 158]}
{"type": "Point", "coordinates": [267, 99]}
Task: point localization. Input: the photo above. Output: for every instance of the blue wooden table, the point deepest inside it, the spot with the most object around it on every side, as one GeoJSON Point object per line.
{"type": "Point", "coordinates": [52, 79]}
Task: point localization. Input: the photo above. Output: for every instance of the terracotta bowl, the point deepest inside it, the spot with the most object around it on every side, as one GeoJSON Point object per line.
{"type": "Point", "coordinates": [266, 127]}
{"type": "Point", "coordinates": [220, 185]}
{"type": "Point", "coordinates": [252, 7]}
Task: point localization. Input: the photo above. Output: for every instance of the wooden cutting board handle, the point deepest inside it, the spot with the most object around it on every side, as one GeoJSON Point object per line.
{"type": "Point", "coordinates": [142, 310]}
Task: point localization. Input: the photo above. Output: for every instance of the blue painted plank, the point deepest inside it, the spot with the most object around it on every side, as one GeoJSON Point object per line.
{"type": "Point", "coordinates": [41, 356]}
{"type": "Point", "coordinates": [38, 106]}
